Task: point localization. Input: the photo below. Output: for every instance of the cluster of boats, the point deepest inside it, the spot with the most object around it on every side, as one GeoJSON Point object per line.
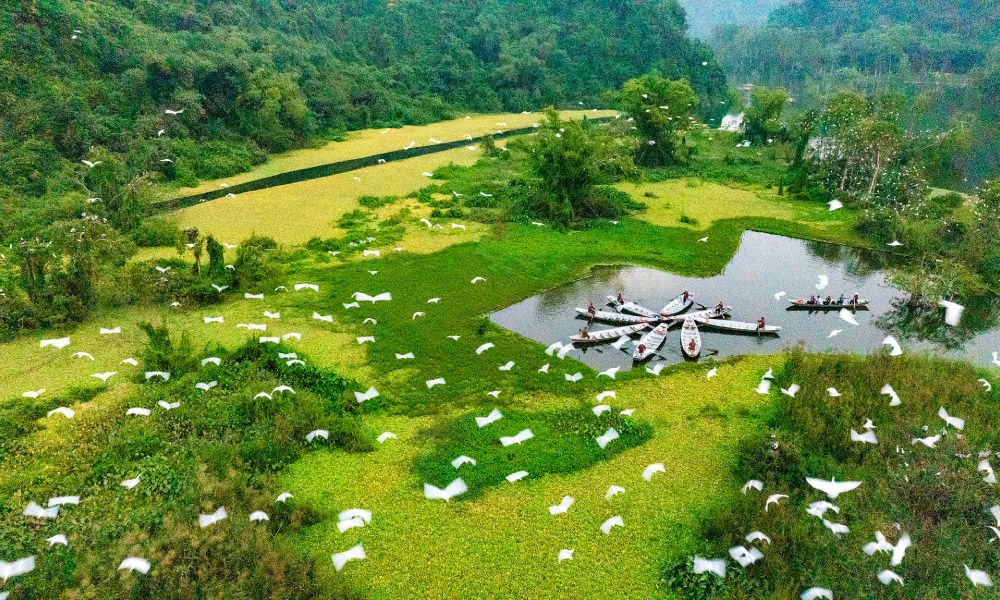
{"type": "Point", "coordinates": [633, 319]}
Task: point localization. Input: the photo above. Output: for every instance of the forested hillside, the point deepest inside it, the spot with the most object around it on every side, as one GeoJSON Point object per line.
{"type": "Point", "coordinates": [941, 54]}
{"type": "Point", "coordinates": [93, 80]}
{"type": "Point", "coordinates": [704, 15]}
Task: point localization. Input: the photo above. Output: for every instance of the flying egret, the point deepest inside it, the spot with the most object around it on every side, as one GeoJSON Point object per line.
{"type": "Point", "coordinates": [893, 343]}
{"type": "Point", "coordinates": [652, 469]}
{"type": "Point", "coordinates": [522, 436]}
{"type": "Point", "coordinates": [952, 313]}
{"type": "Point", "coordinates": [715, 566]}
{"type": "Point", "coordinates": [341, 558]}
{"type": "Point", "coordinates": [773, 499]}
{"type": "Point", "coordinates": [977, 577]}
{"type": "Point", "coordinates": [832, 488]}
{"type": "Point", "coordinates": [562, 507]}
{"type": "Point", "coordinates": [611, 523]}
{"type": "Point", "coordinates": [133, 563]}
{"type": "Point", "coordinates": [453, 489]}
{"type": "Point", "coordinates": [955, 422]}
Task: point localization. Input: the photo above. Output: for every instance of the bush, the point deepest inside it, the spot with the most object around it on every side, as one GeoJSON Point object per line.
{"type": "Point", "coordinates": [155, 232]}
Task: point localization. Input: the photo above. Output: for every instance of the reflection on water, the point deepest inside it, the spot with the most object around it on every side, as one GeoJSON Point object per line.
{"type": "Point", "coordinates": [763, 266]}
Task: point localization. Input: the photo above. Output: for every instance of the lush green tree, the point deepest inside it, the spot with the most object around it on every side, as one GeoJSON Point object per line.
{"type": "Point", "coordinates": [762, 118]}
{"type": "Point", "coordinates": [568, 165]}
{"type": "Point", "coordinates": [660, 110]}
{"type": "Point", "coordinates": [216, 258]}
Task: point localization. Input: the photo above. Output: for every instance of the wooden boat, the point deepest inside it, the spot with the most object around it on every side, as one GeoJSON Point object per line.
{"type": "Point", "coordinates": [739, 326]}
{"type": "Point", "coordinates": [650, 342]}
{"type": "Point", "coordinates": [605, 335]}
{"type": "Point", "coordinates": [631, 307]}
{"type": "Point", "coordinates": [690, 339]}
{"type": "Point", "coordinates": [677, 305]}
{"type": "Point", "coordinates": [613, 317]}
{"type": "Point", "coordinates": [710, 313]}
{"type": "Point", "coordinates": [802, 304]}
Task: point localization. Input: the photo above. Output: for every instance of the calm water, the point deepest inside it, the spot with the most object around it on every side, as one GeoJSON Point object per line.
{"type": "Point", "coordinates": [764, 265]}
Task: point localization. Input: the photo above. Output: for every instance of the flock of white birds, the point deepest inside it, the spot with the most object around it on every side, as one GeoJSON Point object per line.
{"type": "Point", "coordinates": [354, 517]}
{"type": "Point", "coordinates": [744, 556]}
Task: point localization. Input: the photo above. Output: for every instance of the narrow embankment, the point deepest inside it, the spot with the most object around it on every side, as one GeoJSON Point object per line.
{"type": "Point", "coordinates": [334, 168]}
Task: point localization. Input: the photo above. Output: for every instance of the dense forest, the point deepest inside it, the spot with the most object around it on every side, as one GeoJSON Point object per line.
{"type": "Point", "coordinates": [940, 54]}
{"type": "Point", "coordinates": [94, 81]}
{"type": "Point", "coordinates": [705, 15]}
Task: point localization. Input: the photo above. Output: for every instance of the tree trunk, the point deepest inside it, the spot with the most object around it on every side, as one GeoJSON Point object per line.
{"type": "Point", "coordinates": [878, 168]}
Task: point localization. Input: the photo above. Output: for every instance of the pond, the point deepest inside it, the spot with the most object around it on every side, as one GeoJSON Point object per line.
{"type": "Point", "coordinates": [763, 266]}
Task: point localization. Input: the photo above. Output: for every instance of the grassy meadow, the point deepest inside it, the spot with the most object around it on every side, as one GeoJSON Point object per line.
{"type": "Point", "coordinates": [368, 142]}
{"type": "Point", "coordinates": [225, 447]}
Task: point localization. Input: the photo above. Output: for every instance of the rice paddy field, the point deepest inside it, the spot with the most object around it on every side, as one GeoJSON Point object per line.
{"type": "Point", "coordinates": [500, 541]}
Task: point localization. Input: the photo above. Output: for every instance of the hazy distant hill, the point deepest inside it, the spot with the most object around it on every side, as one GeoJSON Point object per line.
{"type": "Point", "coordinates": [704, 15]}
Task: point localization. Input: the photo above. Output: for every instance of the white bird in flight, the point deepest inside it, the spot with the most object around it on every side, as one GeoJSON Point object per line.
{"type": "Point", "coordinates": [495, 415]}
{"type": "Point", "coordinates": [611, 523]}
{"type": "Point", "coordinates": [888, 391]}
{"type": "Point", "coordinates": [952, 313]}
{"type": "Point", "coordinates": [773, 499]}
{"type": "Point", "coordinates": [715, 566]}
{"type": "Point", "coordinates": [893, 343]}
{"type": "Point", "coordinates": [341, 558]}
{"type": "Point", "coordinates": [562, 507]}
{"type": "Point", "coordinates": [323, 433]}
{"type": "Point", "coordinates": [649, 471]}
{"type": "Point", "coordinates": [455, 488]}
{"type": "Point", "coordinates": [847, 316]}
{"type": "Point", "coordinates": [955, 422]}
{"type": "Point", "coordinates": [977, 577]}
{"type": "Point", "coordinates": [206, 520]}
{"type": "Point", "coordinates": [823, 282]}
{"type": "Point", "coordinates": [522, 436]}
{"type": "Point", "coordinates": [609, 373]}
{"type": "Point", "coordinates": [832, 488]}
{"type": "Point", "coordinates": [133, 563]}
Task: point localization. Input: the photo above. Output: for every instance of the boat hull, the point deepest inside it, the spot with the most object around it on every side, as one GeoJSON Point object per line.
{"type": "Point", "coordinates": [650, 343]}
{"type": "Point", "coordinates": [803, 305]}
{"type": "Point", "coordinates": [690, 339]}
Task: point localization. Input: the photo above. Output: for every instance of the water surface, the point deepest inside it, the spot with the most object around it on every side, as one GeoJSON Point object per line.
{"type": "Point", "coordinates": [763, 266]}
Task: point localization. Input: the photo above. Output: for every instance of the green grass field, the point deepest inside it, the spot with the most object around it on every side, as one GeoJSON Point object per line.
{"type": "Point", "coordinates": [500, 541]}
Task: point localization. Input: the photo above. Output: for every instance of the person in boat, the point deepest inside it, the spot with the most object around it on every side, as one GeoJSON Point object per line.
{"type": "Point", "coordinates": [855, 300]}
{"type": "Point", "coordinates": [841, 300]}
{"type": "Point", "coordinates": [585, 334]}
{"type": "Point", "coordinates": [761, 325]}
{"type": "Point", "coordinates": [591, 310]}
{"type": "Point", "coordinates": [620, 299]}
{"type": "Point", "coordinates": [719, 308]}
{"type": "Point", "coordinates": [686, 295]}
{"type": "Point", "coordinates": [827, 301]}
{"type": "Point", "coordinates": [642, 348]}
{"type": "Point", "coordinates": [812, 300]}
{"type": "Point", "coordinates": [691, 347]}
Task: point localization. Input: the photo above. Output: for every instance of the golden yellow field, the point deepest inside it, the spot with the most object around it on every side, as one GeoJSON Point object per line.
{"type": "Point", "coordinates": [373, 141]}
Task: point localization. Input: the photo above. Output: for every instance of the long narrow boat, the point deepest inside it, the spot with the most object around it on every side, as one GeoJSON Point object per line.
{"type": "Point", "coordinates": [631, 307]}
{"type": "Point", "coordinates": [613, 317]}
{"type": "Point", "coordinates": [740, 326]}
{"type": "Point", "coordinates": [802, 304]}
{"type": "Point", "coordinates": [604, 335]}
{"type": "Point", "coordinates": [650, 343]}
{"type": "Point", "coordinates": [677, 305]}
{"type": "Point", "coordinates": [710, 313]}
{"type": "Point", "coordinates": [690, 339]}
